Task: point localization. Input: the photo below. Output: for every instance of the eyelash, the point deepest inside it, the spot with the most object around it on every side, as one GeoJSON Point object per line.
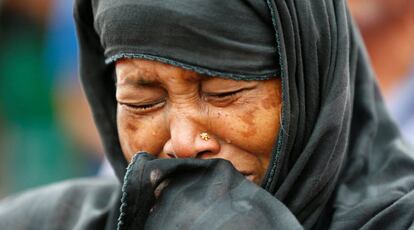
{"type": "Point", "coordinates": [225, 95]}
{"type": "Point", "coordinates": [146, 107]}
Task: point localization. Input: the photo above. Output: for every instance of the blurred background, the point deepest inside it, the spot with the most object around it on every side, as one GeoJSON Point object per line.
{"type": "Point", "coordinates": [46, 129]}
{"type": "Point", "coordinates": [387, 27]}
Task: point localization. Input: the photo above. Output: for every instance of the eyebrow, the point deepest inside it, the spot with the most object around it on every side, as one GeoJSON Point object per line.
{"type": "Point", "coordinates": [139, 81]}
{"type": "Point", "coordinates": [144, 79]}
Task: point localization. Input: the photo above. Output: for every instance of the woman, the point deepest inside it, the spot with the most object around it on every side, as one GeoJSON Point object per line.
{"type": "Point", "coordinates": [243, 115]}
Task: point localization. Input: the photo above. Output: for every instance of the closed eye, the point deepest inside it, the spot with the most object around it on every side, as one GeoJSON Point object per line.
{"type": "Point", "coordinates": [224, 94]}
{"type": "Point", "coordinates": [147, 107]}
{"type": "Point", "coordinates": [223, 99]}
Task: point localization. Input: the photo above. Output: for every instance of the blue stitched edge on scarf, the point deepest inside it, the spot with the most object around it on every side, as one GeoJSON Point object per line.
{"type": "Point", "coordinates": [212, 73]}
{"type": "Point", "coordinates": [124, 194]}
{"type": "Point", "coordinates": [276, 162]}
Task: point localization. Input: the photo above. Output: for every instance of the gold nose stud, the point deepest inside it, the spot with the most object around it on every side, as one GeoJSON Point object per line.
{"type": "Point", "coordinates": [204, 136]}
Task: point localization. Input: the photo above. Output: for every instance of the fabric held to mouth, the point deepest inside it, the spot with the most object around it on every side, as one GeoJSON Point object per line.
{"type": "Point", "coordinates": [201, 194]}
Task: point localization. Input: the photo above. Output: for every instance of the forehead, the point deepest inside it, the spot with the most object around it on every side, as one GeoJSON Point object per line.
{"type": "Point", "coordinates": [142, 71]}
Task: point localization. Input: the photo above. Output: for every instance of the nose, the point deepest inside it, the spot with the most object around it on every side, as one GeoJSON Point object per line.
{"type": "Point", "coordinates": [186, 141]}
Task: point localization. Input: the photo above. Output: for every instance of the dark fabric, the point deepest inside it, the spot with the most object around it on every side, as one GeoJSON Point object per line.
{"type": "Point", "coordinates": [196, 194]}
{"type": "Point", "coordinates": [164, 30]}
{"type": "Point", "coordinates": [339, 161]}
{"type": "Point", "coordinates": [75, 204]}
{"type": "Point", "coordinates": [338, 143]}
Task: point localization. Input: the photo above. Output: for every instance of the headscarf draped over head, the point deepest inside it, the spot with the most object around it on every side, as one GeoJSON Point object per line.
{"type": "Point", "coordinates": [197, 35]}
{"type": "Point", "coordinates": [339, 160]}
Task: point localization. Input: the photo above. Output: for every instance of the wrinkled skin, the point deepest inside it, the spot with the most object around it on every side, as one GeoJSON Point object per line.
{"type": "Point", "coordinates": [162, 109]}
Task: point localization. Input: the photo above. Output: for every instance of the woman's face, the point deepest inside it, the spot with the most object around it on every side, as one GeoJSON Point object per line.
{"type": "Point", "coordinates": [163, 109]}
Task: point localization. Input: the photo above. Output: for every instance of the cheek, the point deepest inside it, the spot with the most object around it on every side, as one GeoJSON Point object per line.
{"type": "Point", "coordinates": [139, 133]}
{"type": "Point", "coordinates": [254, 129]}
{"type": "Point", "coordinates": [253, 124]}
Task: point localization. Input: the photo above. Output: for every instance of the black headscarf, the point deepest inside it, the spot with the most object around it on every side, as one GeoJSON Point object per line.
{"type": "Point", "coordinates": [198, 35]}
{"type": "Point", "coordinates": [339, 161]}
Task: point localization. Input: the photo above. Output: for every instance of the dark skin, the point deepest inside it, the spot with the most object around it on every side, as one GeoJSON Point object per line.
{"type": "Point", "coordinates": [162, 109]}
